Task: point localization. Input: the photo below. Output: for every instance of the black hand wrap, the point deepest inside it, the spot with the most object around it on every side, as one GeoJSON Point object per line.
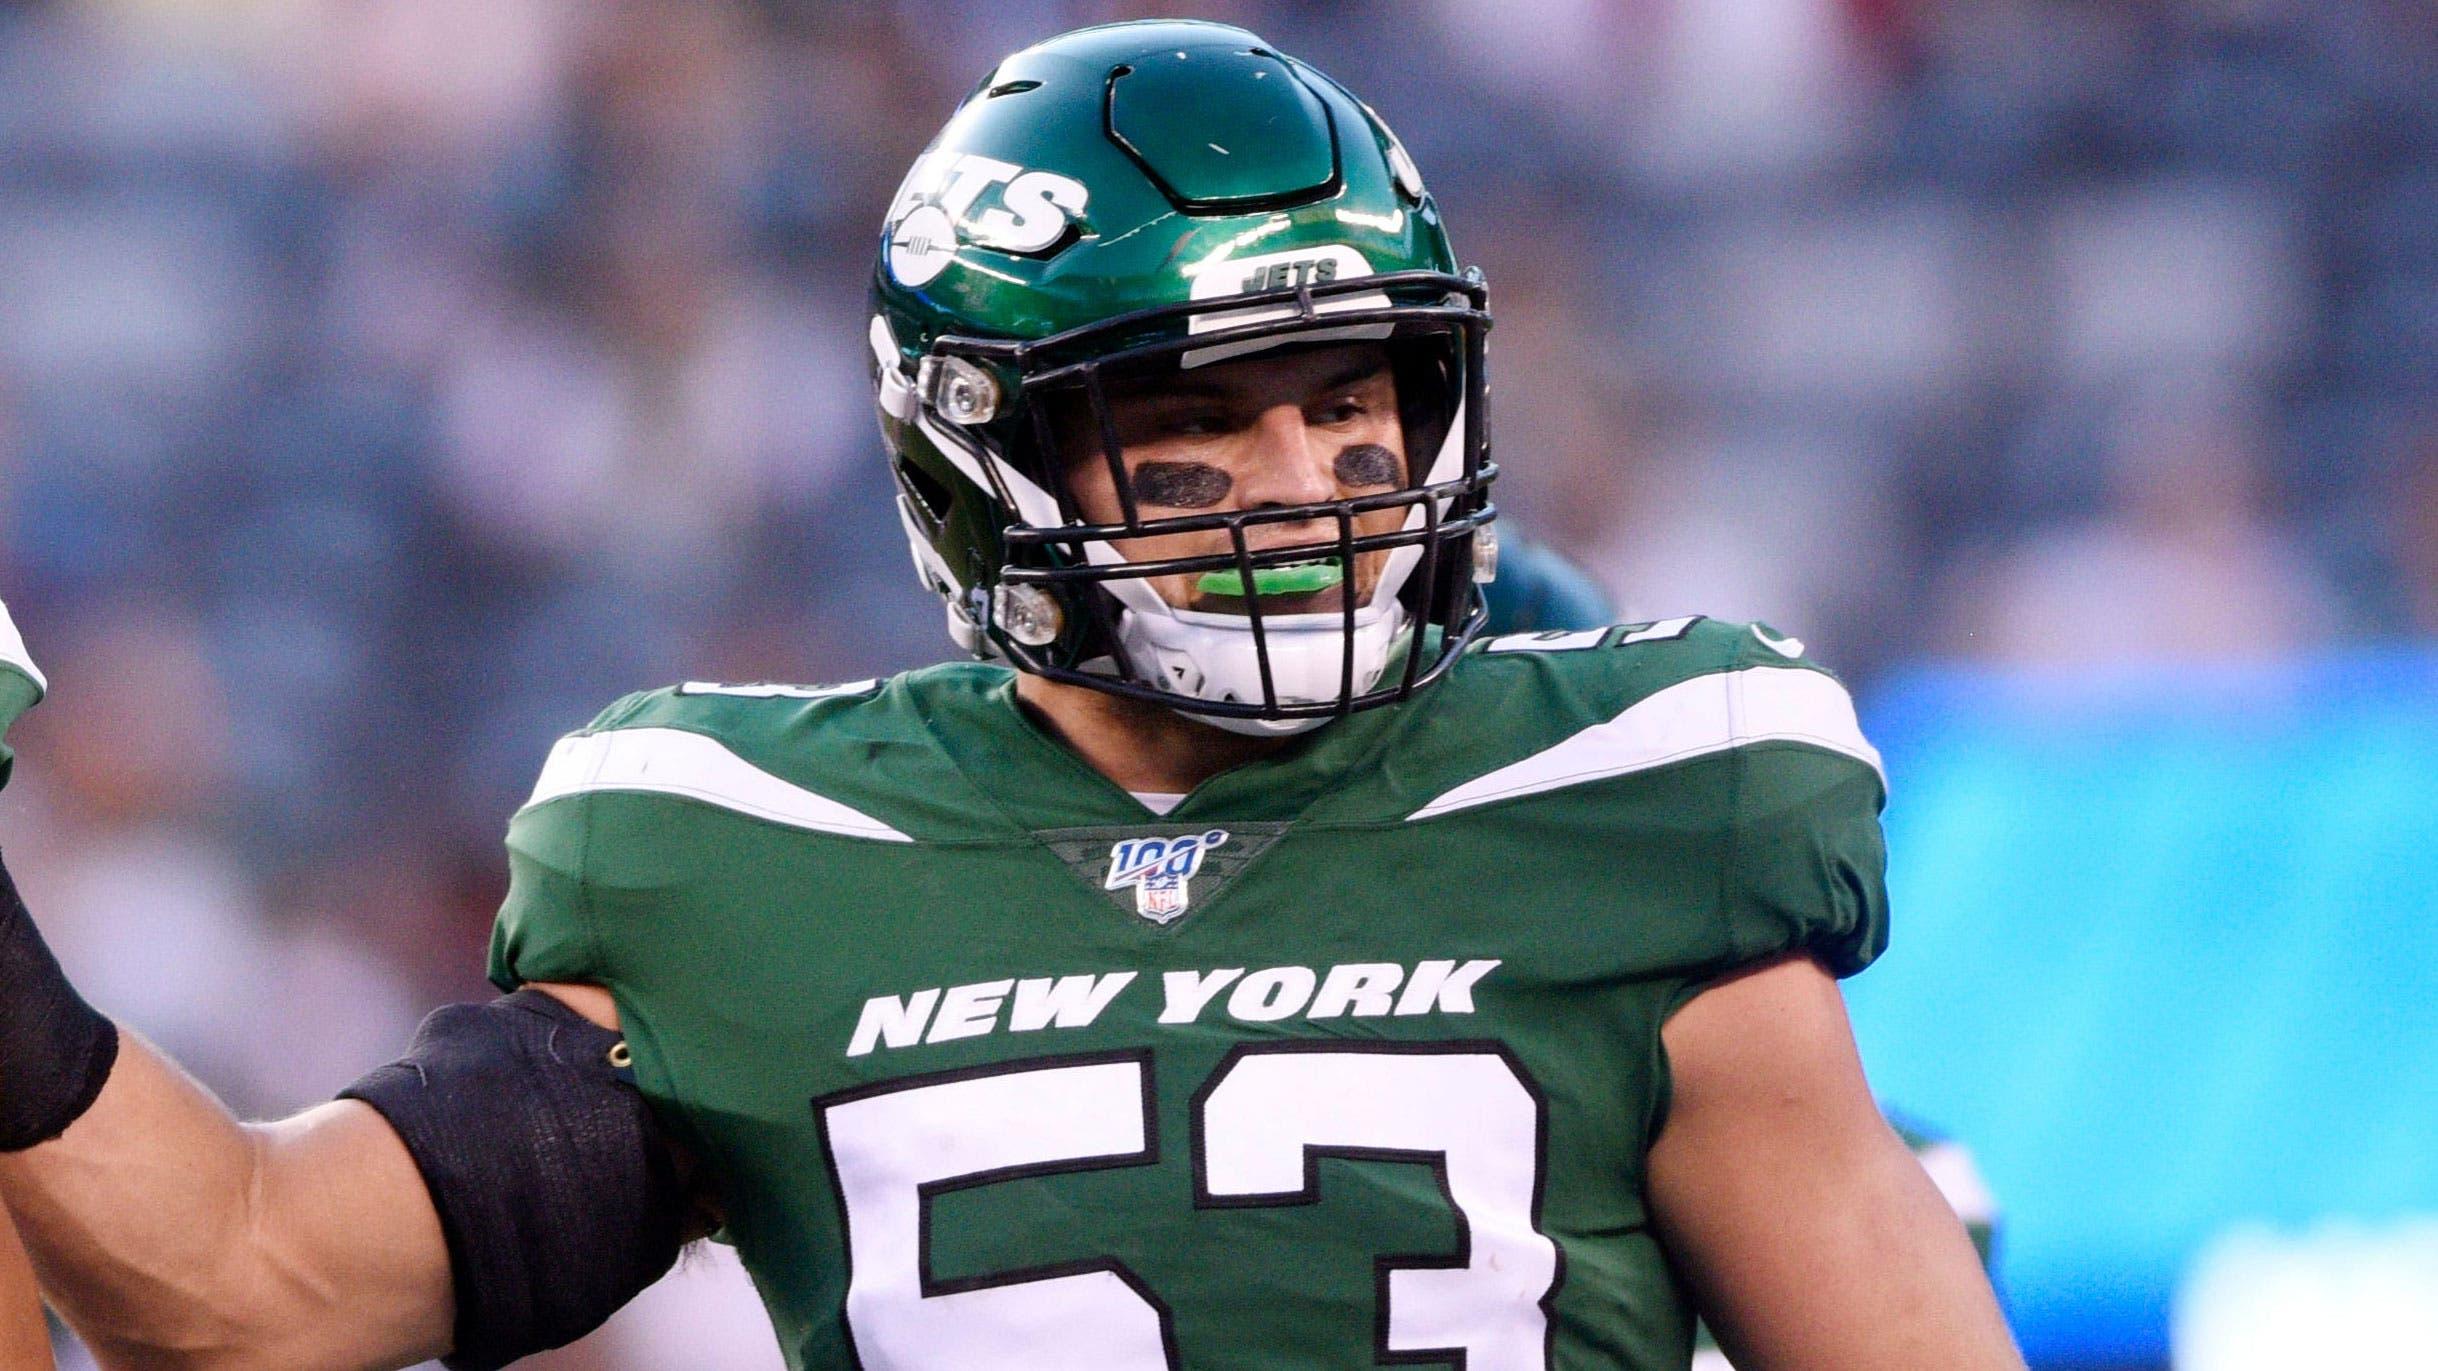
{"type": "Point", "coordinates": [55, 1050]}
{"type": "Point", "coordinates": [558, 1194]}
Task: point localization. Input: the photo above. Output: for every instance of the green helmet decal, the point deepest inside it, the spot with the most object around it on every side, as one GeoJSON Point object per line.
{"type": "Point", "coordinates": [1178, 194]}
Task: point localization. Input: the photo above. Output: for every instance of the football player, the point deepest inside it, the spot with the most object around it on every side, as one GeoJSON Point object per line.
{"type": "Point", "coordinates": [1254, 966]}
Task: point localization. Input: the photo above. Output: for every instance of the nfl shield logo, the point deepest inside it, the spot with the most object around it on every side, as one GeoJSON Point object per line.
{"type": "Point", "coordinates": [1159, 869]}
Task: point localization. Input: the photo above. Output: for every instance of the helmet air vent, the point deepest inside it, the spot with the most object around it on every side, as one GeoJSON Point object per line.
{"type": "Point", "coordinates": [1224, 130]}
{"type": "Point", "coordinates": [929, 494]}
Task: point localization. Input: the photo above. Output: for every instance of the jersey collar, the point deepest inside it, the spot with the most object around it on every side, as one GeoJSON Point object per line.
{"type": "Point", "coordinates": [1038, 782]}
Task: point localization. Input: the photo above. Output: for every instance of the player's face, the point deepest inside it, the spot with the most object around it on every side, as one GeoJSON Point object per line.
{"type": "Point", "coordinates": [1291, 428]}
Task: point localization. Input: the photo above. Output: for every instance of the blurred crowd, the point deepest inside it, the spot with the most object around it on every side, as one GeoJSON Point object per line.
{"type": "Point", "coordinates": [386, 385]}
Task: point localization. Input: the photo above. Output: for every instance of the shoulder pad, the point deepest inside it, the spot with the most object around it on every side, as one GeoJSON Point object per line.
{"type": "Point", "coordinates": [1690, 638]}
{"type": "Point", "coordinates": [1586, 675]}
{"type": "Point", "coordinates": [1583, 706]}
{"type": "Point", "coordinates": [851, 760]}
{"type": "Point", "coordinates": [717, 706]}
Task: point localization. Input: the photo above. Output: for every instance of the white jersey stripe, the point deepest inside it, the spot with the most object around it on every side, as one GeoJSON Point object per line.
{"type": "Point", "coordinates": [13, 653]}
{"type": "Point", "coordinates": [673, 761]}
{"type": "Point", "coordinates": [1707, 714]}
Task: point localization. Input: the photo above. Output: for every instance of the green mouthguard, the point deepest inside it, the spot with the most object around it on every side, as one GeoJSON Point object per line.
{"type": "Point", "coordinates": [1303, 578]}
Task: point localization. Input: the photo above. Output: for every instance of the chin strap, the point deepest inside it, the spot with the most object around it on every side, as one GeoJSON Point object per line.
{"type": "Point", "coordinates": [1211, 658]}
{"type": "Point", "coordinates": [1258, 728]}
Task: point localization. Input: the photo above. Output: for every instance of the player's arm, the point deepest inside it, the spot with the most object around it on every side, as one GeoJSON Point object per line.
{"type": "Point", "coordinates": [166, 1231]}
{"type": "Point", "coordinates": [1813, 1239]}
{"type": "Point", "coordinates": [25, 1339]}
{"type": "Point", "coordinates": [499, 1190]}
{"type": "Point", "coordinates": [170, 1234]}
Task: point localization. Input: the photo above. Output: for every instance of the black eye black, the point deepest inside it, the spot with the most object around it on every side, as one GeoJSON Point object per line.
{"type": "Point", "coordinates": [1181, 485]}
{"type": "Point", "coordinates": [1369, 464]}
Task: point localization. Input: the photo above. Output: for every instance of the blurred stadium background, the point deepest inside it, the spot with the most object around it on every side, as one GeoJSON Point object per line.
{"type": "Point", "coordinates": [387, 384]}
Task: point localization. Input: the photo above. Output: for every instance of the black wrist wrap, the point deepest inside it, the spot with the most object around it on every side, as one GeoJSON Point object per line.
{"type": "Point", "coordinates": [558, 1194]}
{"type": "Point", "coordinates": [55, 1050]}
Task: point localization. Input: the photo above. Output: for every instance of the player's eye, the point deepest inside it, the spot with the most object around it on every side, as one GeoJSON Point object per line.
{"type": "Point", "coordinates": [1194, 424]}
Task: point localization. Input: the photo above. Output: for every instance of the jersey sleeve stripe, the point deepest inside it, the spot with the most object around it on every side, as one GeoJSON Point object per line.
{"type": "Point", "coordinates": [673, 761]}
{"type": "Point", "coordinates": [1707, 714]}
{"type": "Point", "coordinates": [14, 655]}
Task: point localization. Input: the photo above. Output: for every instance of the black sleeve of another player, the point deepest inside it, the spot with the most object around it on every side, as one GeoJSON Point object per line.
{"type": "Point", "coordinates": [559, 1196]}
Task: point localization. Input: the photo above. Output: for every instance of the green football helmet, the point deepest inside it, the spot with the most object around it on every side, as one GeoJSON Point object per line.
{"type": "Point", "coordinates": [1130, 202]}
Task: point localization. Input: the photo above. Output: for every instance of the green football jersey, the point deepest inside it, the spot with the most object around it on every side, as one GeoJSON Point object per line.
{"type": "Point", "coordinates": [1351, 1058]}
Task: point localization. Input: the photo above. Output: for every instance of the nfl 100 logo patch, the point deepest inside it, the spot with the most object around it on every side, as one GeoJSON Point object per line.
{"type": "Point", "coordinates": [1160, 870]}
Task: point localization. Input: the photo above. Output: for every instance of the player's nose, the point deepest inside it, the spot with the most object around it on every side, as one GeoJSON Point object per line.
{"type": "Point", "coordinates": [1292, 462]}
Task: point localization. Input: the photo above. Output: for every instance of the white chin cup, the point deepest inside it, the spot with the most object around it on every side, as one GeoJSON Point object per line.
{"type": "Point", "coordinates": [1204, 656]}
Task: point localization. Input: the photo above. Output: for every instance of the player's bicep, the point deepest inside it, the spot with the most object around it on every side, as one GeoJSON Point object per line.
{"type": "Point", "coordinates": [1811, 1235]}
{"type": "Point", "coordinates": [344, 1217]}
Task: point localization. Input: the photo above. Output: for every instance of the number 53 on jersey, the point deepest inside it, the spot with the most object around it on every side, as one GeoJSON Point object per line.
{"type": "Point", "coordinates": [1261, 1124]}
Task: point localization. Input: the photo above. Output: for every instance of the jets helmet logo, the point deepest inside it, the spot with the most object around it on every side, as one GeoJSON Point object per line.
{"type": "Point", "coordinates": [954, 198]}
{"type": "Point", "coordinates": [1159, 870]}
